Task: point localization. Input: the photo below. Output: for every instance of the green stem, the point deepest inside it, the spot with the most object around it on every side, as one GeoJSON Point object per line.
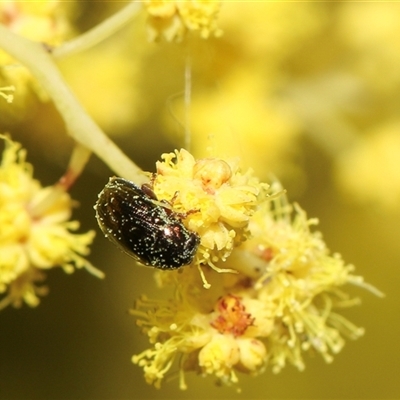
{"type": "Point", "coordinates": [100, 32]}
{"type": "Point", "coordinates": [78, 123]}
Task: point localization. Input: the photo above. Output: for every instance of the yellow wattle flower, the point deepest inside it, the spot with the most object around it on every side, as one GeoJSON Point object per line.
{"type": "Point", "coordinates": [277, 305]}
{"type": "Point", "coordinates": [35, 230]}
{"type": "Point", "coordinates": [215, 196]}
{"type": "Point", "coordinates": [172, 20]}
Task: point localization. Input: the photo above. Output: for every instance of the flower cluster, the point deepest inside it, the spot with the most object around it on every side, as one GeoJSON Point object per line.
{"type": "Point", "coordinates": [277, 304]}
{"type": "Point", "coordinates": [35, 233]}
{"type": "Point", "coordinates": [217, 198]}
{"type": "Point", "coordinates": [171, 20]}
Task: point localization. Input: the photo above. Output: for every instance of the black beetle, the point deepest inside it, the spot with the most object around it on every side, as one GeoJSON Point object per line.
{"type": "Point", "coordinates": [143, 227]}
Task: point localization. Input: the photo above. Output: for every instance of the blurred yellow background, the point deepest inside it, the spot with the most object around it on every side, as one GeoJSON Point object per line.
{"type": "Point", "coordinates": [305, 92]}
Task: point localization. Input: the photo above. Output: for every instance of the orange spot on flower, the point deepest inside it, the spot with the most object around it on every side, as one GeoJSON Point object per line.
{"type": "Point", "coordinates": [232, 317]}
{"type": "Point", "coordinates": [266, 253]}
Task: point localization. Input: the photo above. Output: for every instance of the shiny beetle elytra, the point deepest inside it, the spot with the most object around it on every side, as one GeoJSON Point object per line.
{"type": "Point", "coordinates": [142, 227]}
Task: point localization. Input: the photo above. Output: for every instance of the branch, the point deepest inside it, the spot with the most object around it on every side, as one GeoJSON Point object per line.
{"type": "Point", "coordinates": [100, 32]}
{"type": "Point", "coordinates": [78, 123]}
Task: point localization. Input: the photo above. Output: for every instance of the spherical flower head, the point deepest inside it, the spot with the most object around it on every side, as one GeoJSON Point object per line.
{"type": "Point", "coordinates": [295, 274]}
{"type": "Point", "coordinates": [171, 20]}
{"type": "Point", "coordinates": [214, 195]}
{"type": "Point", "coordinates": [35, 232]}
{"type": "Point", "coordinates": [278, 306]}
{"type": "Point", "coordinates": [217, 343]}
